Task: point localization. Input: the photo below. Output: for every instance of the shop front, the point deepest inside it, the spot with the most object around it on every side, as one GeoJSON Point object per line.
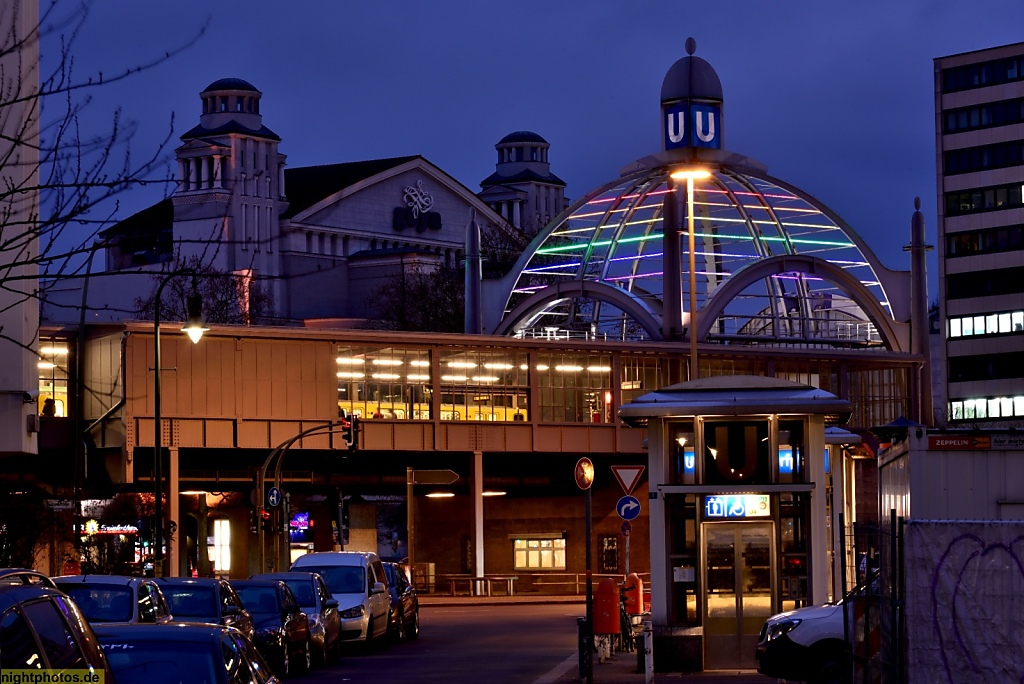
{"type": "Point", "coordinates": [741, 506]}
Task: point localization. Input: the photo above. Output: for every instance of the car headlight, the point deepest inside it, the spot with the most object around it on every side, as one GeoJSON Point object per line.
{"type": "Point", "coordinates": [779, 628]}
{"type": "Point", "coordinates": [353, 612]}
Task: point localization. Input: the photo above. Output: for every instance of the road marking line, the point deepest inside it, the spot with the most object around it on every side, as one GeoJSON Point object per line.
{"type": "Point", "coordinates": [558, 670]}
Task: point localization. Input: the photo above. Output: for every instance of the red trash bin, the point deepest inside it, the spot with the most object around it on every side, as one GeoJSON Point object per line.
{"type": "Point", "coordinates": [606, 607]}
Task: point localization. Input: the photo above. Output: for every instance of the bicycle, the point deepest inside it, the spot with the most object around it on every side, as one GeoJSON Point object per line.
{"type": "Point", "coordinates": [627, 632]}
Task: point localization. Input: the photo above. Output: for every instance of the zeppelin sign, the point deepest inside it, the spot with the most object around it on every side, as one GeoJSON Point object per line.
{"type": "Point", "coordinates": [975, 442]}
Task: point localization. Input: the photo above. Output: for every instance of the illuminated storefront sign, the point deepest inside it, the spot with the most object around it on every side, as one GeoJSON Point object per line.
{"type": "Point", "coordinates": [736, 506]}
{"type": "Point", "coordinates": [93, 527]}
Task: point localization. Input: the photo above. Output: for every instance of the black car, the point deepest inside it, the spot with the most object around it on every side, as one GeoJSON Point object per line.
{"type": "Point", "coordinates": [41, 628]}
{"type": "Point", "coordinates": [282, 629]}
{"type": "Point", "coordinates": [206, 599]}
{"type": "Point", "coordinates": [322, 610]}
{"type": "Point", "coordinates": [116, 598]}
{"type": "Point", "coordinates": [404, 618]}
{"type": "Point", "coordinates": [182, 652]}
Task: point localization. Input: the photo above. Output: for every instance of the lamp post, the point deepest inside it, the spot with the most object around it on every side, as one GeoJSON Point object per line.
{"type": "Point", "coordinates": [195, 329]}
{"type": "Point", "coordinates": [691, 175]}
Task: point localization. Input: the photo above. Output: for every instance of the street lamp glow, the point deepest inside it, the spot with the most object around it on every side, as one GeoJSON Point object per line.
{"type": "Point", "coordinates": [690, 174]}
{"type": "Point", "coordinates": [440, 495]}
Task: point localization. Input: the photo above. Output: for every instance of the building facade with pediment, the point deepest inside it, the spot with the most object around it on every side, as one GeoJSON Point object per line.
{"type": "Point", "coordinates": [320, 239]}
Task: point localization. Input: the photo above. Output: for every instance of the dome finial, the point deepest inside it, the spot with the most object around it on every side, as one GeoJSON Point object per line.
{"type": "Point", "coordinates": [691, 46]}
{"type": "Point", "coordinates": [917, 203]}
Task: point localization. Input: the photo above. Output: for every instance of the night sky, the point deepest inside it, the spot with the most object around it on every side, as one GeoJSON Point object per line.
{"type": "Point", "coordinates": [835, 98]}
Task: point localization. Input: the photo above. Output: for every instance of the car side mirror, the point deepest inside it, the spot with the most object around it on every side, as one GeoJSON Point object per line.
{"type": "Point", "coordinates": [378, 588]}
{"type": "Point", "coordinates": [232, 610]}
{"type": "Point", "coordinates": [331, 603]}
{"type": "Point", "coordinates": [292, 610]}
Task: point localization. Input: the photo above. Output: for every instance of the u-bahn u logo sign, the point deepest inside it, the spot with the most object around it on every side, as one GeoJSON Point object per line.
{"type": "Point", "coordinates": [692, 125]}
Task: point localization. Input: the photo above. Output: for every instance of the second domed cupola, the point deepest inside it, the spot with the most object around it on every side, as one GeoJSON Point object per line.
{"type": "Point", "coordinates": [231, 99]}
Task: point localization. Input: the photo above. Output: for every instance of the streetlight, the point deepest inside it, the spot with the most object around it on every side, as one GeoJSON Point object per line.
{"type": "Point", "coordinates": [195, 329]}
{"type": "Point", "coordinates": [690, 175]}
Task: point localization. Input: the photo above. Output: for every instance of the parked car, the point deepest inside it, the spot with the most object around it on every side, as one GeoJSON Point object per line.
{"type": "Point", "coordinates": [357, 581]}
{"type": "Point", "coordinates": [206, 599]}
{"type": "Point", "coordinates": [319, 606]}
{"type": "Point", "coordinates": [40, 627]}
{"type": "Point", "coordinates": [282, 629]}
{"type": "Point", "coordinates": [405, 604]}
{"type": "Point", "coordinates": [809, 643]}
{"type": "Point", "coordinates": [116, 598]}
{"type": "Point", "coordinates": [182, 652]}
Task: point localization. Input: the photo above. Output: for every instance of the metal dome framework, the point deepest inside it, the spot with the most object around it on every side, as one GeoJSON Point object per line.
{"type": "Point", "coordinates": [773, 267]}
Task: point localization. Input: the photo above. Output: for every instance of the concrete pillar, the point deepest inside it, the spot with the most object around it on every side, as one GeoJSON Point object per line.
{"type": "Point", "coordinates": [182, 175]}
{"type": "Point", "coordinates": [477, 487]}
{"type": "Point", "coordinates": [516, 215]}
{"type": "Point", "coordinates": [819, 571]}
{"type": "Point", "coordinates": [193, 181]}
{"type": "Point", "coordinates": [175, 547]}
{"type": "Point", "coordinates": [218, 182]}
{"type": "Point", "coordinates": [661, 573]}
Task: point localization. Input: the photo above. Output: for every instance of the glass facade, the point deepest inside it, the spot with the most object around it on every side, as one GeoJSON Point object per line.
{"type": "Point", "coordinates": [615, 236]}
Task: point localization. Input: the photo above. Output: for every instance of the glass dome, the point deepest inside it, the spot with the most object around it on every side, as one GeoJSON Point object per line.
{"type": "Point", "coordinates": [773, 266]}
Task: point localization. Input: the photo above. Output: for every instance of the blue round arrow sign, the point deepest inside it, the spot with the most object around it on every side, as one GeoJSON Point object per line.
{"type": "Point", "coordinates": [273, 497]}
{"type": "Point", "coordinates": [628, 507]}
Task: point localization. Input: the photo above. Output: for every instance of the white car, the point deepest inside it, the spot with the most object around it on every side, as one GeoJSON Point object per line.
{"type": "Point", "coordinates": [357, 581]}
{"type": "Point", "coordinates": [809, 644]}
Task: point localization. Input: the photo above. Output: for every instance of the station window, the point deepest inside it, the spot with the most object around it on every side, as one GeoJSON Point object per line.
{"type": "Point", "coordinates": [539, 554]}
{"type": "Point", "coordinates": [684, 462]}
{"type": "Point", "coordinates": [53, 377]}
{"type": "Point", "coordinates": [484, 385]}
{"type": "Point", "coordinates": [574, 388]}
{"type": "Point", "coordinates": [384, 382]}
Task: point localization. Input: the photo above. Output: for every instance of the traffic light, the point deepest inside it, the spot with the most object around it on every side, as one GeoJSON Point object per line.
{"type": "Point", "coordinates": [350, 431]}
{"type": "Point", "coordinates": [265, 520]}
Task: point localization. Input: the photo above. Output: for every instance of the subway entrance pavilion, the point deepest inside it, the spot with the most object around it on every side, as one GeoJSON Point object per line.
{"type": "Point", "coordinates": [694, 263]}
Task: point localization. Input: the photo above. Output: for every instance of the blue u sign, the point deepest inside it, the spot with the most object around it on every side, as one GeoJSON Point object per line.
{"type": "Point", "coordinates": [693, 125]}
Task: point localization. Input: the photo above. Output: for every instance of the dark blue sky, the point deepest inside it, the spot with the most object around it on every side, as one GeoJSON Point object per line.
{"type": "Point", "coordinates": [836, 98]}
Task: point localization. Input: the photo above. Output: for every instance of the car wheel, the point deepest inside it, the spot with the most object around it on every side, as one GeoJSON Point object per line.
{"type": "Point", "coordinates": [336, 649]}
{"type": "Point", "coordinates": [832, 669]}
{"type": "Point", "coordinates": [307, 656]}
{"type": "Point", "coordinates": [369, 633]}
{"type": "Point", "coordinates": [399, 633]}
{"type": "Point", "coordinates": [286, 662]}
{"type": "Point", "coordinates": [412, 630]}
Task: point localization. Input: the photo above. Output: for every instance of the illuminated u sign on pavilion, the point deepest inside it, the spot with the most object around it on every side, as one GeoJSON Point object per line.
{"type": "Point", "coordinates": [771, 264]}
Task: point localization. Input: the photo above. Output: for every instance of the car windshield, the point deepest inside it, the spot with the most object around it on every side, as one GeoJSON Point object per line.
{"type": "Point", "coordinates": [341, 579]}
{"type": "Point", "coordinates": [102, 603]}
{"type": "Point", "coordinates": [145, 662]}
{"type": "Point", "coordinates": [259, 600]}
{"type": "Point", "coordinates": [303, 590]}
{"type": "Point", "coordinates": [191, 601]}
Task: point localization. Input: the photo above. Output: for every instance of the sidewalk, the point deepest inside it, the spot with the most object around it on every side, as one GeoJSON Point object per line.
{"type": "Point", "coordinates": [620, 669]}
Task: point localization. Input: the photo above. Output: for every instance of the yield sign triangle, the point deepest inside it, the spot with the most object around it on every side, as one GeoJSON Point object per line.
{"type": "Point", "coordinates": [628, 476]}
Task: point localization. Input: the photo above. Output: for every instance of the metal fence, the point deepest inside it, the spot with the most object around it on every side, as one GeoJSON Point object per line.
{"type": "Point", "coordinates": [872, 573]}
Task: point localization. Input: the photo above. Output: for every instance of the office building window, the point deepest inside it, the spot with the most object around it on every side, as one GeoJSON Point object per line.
{"type": "Point", "coordinates": [1007, 322]}
{"type": "Point", "coordinates": [977, 200]}
{"type": "Point", "coordinates": [985, 283]}
{"type": "Point", "coordinates": [53, 377]}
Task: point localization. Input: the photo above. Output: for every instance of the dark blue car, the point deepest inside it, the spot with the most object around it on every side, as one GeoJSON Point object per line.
{"type": "Point", "coordinates": [181, 652]}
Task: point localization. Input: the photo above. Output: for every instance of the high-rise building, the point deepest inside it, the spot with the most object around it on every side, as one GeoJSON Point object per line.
{"type": "Point", "coordinates": [979, 130]}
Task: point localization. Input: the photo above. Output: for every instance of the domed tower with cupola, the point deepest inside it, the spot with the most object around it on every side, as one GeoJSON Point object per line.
{"type": "Point", "coordinates": [230, 188]}
{"type": "Point", "coordinates": [522, 188]}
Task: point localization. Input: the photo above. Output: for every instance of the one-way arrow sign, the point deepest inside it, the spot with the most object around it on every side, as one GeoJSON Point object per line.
{"type": "Point", "coordinates": [434, 477]}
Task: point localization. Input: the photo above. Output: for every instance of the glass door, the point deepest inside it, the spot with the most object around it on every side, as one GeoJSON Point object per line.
{"type": "Point", "coordinates": [738, 591]}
